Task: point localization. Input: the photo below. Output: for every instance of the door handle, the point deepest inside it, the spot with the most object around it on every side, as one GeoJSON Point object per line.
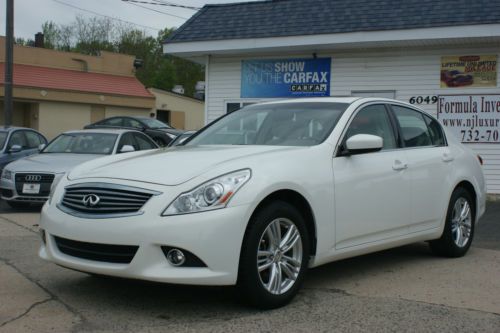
{"type": "Point", "coordinates": [398, 165]}
{"type": "Point", "coordinates": [447, 157]}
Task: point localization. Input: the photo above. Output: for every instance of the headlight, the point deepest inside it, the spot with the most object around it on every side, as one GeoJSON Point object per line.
{"type": "Point", "coordinates": [6, 174]}
{"type": "Point", "coordinates": [57, 180]}
{"type": "Point", "coordinates": [213, 194]}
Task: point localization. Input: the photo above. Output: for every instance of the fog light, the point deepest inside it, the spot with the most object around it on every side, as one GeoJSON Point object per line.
{"type": "Point", "coordinates": [175, 257]}
{"type": "Point", "coordinates": [42, 235]}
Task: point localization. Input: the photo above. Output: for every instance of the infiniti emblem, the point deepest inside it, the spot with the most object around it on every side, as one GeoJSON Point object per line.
{"type": "Point", "coordinates": [90, 200]}
{"type": "Point", "coordinates": [33, 178]}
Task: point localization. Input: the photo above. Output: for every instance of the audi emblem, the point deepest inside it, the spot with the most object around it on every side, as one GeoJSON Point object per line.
{"type": "Point", "coordinates": [90, 200]}
{"type": "Point", "coordinates": [33, 178]}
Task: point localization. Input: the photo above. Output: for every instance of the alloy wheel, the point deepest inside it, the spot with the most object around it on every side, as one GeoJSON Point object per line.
{"type": "Point", "coordinates": [461, 222]}
{"type": "Point", "coordinates": [279, 256]}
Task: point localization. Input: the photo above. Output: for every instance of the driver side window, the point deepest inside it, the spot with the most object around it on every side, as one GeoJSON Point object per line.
{"type": "Point", "coordinates": [374, 120]}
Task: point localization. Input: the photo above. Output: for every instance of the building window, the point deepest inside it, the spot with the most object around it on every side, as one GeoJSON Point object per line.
{"type": "Point", "coordinates": [236, 105]}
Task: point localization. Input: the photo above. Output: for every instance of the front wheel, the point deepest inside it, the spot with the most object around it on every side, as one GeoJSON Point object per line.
{"type": "Point", "coordinates": [459, 226]}
{"type": "Point", "coordinates": [274, 256]}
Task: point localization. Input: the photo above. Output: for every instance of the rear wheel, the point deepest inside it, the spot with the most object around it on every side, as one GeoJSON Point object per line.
{"type": "Point", "coordinates": [459, 227]}
{"type": "Point", "coordinates": [274, 256]}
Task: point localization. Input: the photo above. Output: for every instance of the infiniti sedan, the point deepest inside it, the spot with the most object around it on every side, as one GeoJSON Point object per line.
{"type": "Point", "coordinates": [29, 180]}
{"type": "Point", "coordinates": [264, 193]}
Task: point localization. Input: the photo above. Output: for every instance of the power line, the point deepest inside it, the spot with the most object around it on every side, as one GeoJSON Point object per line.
{"type": "Point", "coordinates": [99, 14]}
{"type": "Point", "coordinates": [158, 11]}
{"type": "Point", "coordinates": [163, 3]}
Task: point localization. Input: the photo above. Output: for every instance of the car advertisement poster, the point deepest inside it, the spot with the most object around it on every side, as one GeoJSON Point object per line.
{"type": "Point", "coordinates": [308, 77]}
{"type": "Point", "coordinates": [472, 118]}
{"type": "Point", "coordinates": [469, 71]}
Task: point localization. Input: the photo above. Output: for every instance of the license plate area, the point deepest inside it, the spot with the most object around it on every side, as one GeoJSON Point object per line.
{"type": "Point", "coordinates": [31, 188]}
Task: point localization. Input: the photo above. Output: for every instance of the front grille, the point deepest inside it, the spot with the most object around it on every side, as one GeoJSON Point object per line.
{"type": "Point", "coordinates": [44, 179]}
{"type": "Point", "coordinates": [96, 199]}
{"type": "Point", "coordinates": [118, 254]}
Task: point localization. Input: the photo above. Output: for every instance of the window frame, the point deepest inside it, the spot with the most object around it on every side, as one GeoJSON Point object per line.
{"type": "Point", "coordinates": [423, 114]}
{"type": "Point", "coordinates": [135, 135]}
{"type": "Point", "coordinates": [341, 151]}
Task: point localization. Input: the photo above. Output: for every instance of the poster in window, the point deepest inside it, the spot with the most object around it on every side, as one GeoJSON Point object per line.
{"type": "Point", "coordinates": [469, 71]}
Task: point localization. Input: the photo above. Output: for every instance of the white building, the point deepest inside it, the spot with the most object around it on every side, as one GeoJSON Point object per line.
{"type": "Point", "coordinates": [411, 50]}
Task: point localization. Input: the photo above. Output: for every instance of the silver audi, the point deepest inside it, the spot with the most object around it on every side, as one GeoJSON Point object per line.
{"type": "Point", "coordinates": [29, 180]}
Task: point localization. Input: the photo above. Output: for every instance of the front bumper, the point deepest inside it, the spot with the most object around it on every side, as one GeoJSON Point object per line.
{"type": "Point", "coordinates": [9, 191]}
{"type": "Point", "coordinates": [213, 236]}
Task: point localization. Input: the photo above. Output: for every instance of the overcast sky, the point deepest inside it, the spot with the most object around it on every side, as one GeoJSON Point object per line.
{"type": "Point", "coordinates": [30, 14]}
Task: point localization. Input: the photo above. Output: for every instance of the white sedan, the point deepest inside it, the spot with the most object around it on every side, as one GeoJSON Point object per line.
{"type": "Point", "coordinates": [260, 195]}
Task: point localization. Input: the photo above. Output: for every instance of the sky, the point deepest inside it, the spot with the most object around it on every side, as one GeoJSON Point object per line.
{"type": "Point", "coordinates": [30, 14]}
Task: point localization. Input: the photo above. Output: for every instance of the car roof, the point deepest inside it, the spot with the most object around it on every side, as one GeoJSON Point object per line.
{"type": "Point", "coordinates": [102, 130]}
{"type": "Point", "coordinates": [13, 128]}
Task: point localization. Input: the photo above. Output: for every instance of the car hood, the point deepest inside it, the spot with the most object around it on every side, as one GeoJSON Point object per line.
{"type": "Point", "coordinates": [170, 130]}
{"type": "Point", "coordinates": [172, 166]}
{"type": "Point", "coordinates": [49, 162]}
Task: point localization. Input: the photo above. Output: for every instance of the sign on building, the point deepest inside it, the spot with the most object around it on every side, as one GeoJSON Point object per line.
{"type": "Point", "coordinates": [472, 118]}
{"type": "Point", "coordinates": [306, 77]}
{"type": "Point", "coordinates": [469, 71]}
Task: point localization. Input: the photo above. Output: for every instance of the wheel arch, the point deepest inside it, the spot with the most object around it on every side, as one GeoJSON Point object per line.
{"type": "Point", "coordinates": [469, 187]}
{"type": "Point", "coordinates": [297, 200]}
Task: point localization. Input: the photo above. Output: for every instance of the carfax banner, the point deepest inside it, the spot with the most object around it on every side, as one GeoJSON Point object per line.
{"type": "Point", "coordinates": [306, 77]}
{"type": "Point", "coordinates": [469, 71]}
{"type": "Point", "coordinates": [472, 118]}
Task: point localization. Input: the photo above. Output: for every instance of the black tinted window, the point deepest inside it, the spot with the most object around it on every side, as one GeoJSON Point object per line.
{"type": "Point", "coordinates": [436, 132]}
{"type": "Point", "coordinates": [413, 127]}
{"type": "Point", "coordinates": [112, 122]}
{"type": "Point", "coordinates": [374, 120]}
{"type": "Point", "coordinates": [18, 139]}
{"type": "Point", "coordinates": [144, 142]}
{"type": "Point", "coordinates": [34, 140]}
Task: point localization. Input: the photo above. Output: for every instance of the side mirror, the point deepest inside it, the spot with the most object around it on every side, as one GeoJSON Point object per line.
{"type": "Point", "coordinates": [364, 143]}
{"type": "Point", "coordinates": [127, 149]}
{"type": "Point", "coordinates": [15, 149]}
{"type": "Point", "coordinates": [41, 147]}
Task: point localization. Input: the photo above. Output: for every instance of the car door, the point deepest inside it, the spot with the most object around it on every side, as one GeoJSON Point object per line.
{"type": "Point", "coordinates": [430, 160]}
{"type": "Point", "coordinates": [372, 190]}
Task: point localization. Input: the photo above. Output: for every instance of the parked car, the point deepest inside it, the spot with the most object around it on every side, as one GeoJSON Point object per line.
{"type": "Point", "coordinates": [181, 138]}
{"type": "Point", "coordinates": [18, 142]}
{"type": "Point", "coordinates": [29, 180]}
{"type": "Point", "coordinates": [264, 193]}
{"type": "Point", "coordinates": [160, 132]}
{"type": "Point", "coordinates": [456, 78]}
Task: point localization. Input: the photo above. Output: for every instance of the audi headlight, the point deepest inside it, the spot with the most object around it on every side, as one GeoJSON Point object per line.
{"type": "Point", "coordinates": [213, 194]}
{"type": "Point", "coordinates": [6, 174]}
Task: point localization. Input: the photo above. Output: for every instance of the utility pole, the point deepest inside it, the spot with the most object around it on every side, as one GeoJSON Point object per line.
{"type": "Point", "coordinates": [9, 59]}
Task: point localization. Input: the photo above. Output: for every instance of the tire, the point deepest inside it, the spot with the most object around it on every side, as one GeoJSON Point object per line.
{"type": "Point", "coordinates": [452, 242]}
{"type": "Point", "coordinates": [289, 263]}
{"type": "Point", "coordinates": [18, 205]}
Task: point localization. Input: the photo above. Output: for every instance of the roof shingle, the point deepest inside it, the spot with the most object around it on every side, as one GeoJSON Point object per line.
{"type": "Point", "coordinates": [63, 79]}
{"type": "Point", "coordinates": [279, 18]}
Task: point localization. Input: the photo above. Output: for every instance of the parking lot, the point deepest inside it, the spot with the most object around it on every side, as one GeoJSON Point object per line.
{"type": "Point", "coordinates": [405, 289]}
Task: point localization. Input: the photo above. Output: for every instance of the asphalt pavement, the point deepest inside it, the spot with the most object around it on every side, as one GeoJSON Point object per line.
{"type": "Point", "coordinates": [399, 290]}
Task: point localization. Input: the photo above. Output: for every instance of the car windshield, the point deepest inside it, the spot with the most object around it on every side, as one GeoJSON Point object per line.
{"type": "Point", "coordinates": [82, 143]}
{"type": "Point", "coordinates": [154, 123]}
{"type": "Point", "coordinates": [290, 124]}
{"type": "Point", "coordinates": [3, 138]}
